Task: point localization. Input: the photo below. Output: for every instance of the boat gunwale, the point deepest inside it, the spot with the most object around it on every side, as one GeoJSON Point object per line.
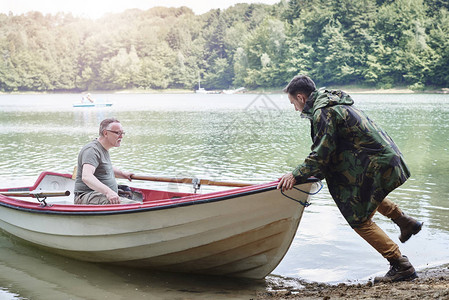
{"type": "Point", "coordinates": [71, 209]}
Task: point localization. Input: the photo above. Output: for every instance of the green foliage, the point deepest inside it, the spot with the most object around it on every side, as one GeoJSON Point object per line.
{"type": "Point", "coordinates": [381, 43]}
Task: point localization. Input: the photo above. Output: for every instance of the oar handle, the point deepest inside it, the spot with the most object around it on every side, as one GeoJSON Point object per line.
{"type": "Point", "coordinates": [163, 179]}
{"type": "Point", "coordinates": [189, 180]}
{"type": "Point", "coordinates": [35, 194]}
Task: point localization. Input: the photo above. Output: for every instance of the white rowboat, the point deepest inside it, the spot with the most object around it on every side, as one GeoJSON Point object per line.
{"type": "Point", "coordinates": [243, 232]}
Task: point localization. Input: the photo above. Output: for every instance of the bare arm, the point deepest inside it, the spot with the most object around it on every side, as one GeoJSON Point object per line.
{"type": "Point", "coordinates": [122, 174]}
{"type": "Point", "coordinates": [91, 181]}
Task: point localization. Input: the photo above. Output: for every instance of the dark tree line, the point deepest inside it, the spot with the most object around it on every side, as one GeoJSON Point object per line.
{"type": "Point", "coordinates": [378, 43]}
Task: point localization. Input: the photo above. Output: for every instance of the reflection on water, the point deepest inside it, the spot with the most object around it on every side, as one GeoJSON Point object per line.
{"type": "Point", "coordinates": [223, 137]}
{"type": "Point", "coordinates": [35, 274]}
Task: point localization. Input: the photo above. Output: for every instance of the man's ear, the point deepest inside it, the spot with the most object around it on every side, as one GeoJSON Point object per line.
{"type": "Point", "coordinates": [301, 98]}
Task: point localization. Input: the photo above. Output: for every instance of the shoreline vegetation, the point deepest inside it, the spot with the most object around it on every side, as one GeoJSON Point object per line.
{"type": "Point", "coordinates": [349, 89]}
{"type": "Point", "coordinates": [375, 43]}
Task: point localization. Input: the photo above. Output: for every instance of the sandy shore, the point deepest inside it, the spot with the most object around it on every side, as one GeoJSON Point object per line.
{"type": "Point", "coordinates": [432, 284]}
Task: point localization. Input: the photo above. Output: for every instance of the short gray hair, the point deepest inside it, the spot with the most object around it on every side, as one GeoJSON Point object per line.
{"type": "Point", "coordinates": [105, 124]}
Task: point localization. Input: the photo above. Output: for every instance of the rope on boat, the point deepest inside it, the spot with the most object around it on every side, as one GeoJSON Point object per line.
{"type": "Point", "coordinates": [305, 204]}
{"type": "Point", "coordinates": [42, 201]}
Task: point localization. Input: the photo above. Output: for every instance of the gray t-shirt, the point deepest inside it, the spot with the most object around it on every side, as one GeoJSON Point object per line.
{"type": "Point", "coordinates": [94, 154]}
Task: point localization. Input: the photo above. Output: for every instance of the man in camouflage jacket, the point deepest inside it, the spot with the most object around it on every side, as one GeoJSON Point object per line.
{"type": "Point", "coordinates": [361, 165]}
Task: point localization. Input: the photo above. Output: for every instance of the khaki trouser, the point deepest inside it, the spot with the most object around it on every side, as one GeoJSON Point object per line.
{"type": "Point", "coordinates": [376, 237]}
{"type": "Point", "coordinates": [96, 198]}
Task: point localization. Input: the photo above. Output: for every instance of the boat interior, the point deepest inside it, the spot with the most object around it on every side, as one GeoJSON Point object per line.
{"type": "Point", "coordinates": [64, 186]}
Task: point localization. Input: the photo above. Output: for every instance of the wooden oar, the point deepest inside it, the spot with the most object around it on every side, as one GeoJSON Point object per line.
{"type": "Point", "coordinates": [40, 194]}
{"type": "Point", "coordinates": [189, 180]}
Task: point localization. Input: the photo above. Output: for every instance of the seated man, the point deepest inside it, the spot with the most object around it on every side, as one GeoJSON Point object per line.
{"type": "Point", "coordinates": [95, 178]}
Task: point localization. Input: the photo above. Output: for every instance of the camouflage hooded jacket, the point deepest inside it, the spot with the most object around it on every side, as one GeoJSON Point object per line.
{"type": "Point", "coordinates": [360, 162]}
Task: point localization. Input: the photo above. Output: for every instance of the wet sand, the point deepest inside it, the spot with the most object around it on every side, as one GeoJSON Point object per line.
{"type": "Point", "coordinates": [432, 284]}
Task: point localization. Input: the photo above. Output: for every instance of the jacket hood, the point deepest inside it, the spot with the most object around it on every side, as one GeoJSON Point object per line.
{"type": "Point", "coordinates": [325, 98]}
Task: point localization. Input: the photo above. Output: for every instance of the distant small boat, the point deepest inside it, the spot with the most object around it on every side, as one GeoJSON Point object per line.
{"type": "Point", "coordinates": [89, 101]}
{"type": "Point", "coordinates": [201, 91]}
{"type": "Point", "coordinates": [241, 232]}
{"type": "Point", "coordinates": [96, 104]}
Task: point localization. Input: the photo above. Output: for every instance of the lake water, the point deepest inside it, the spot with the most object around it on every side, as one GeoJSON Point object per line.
{"type": "Point", "coordinates": [250, 138]}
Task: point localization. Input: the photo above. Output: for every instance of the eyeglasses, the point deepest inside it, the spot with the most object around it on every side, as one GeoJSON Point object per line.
{"type": "Point", "coordinates": [119, 133]}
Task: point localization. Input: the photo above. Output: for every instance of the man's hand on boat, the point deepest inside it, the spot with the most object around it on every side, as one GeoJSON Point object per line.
{"type": "Point", "coordinates": [286, 182]}
{"type": "Point", "coordinates": [113, 197]}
